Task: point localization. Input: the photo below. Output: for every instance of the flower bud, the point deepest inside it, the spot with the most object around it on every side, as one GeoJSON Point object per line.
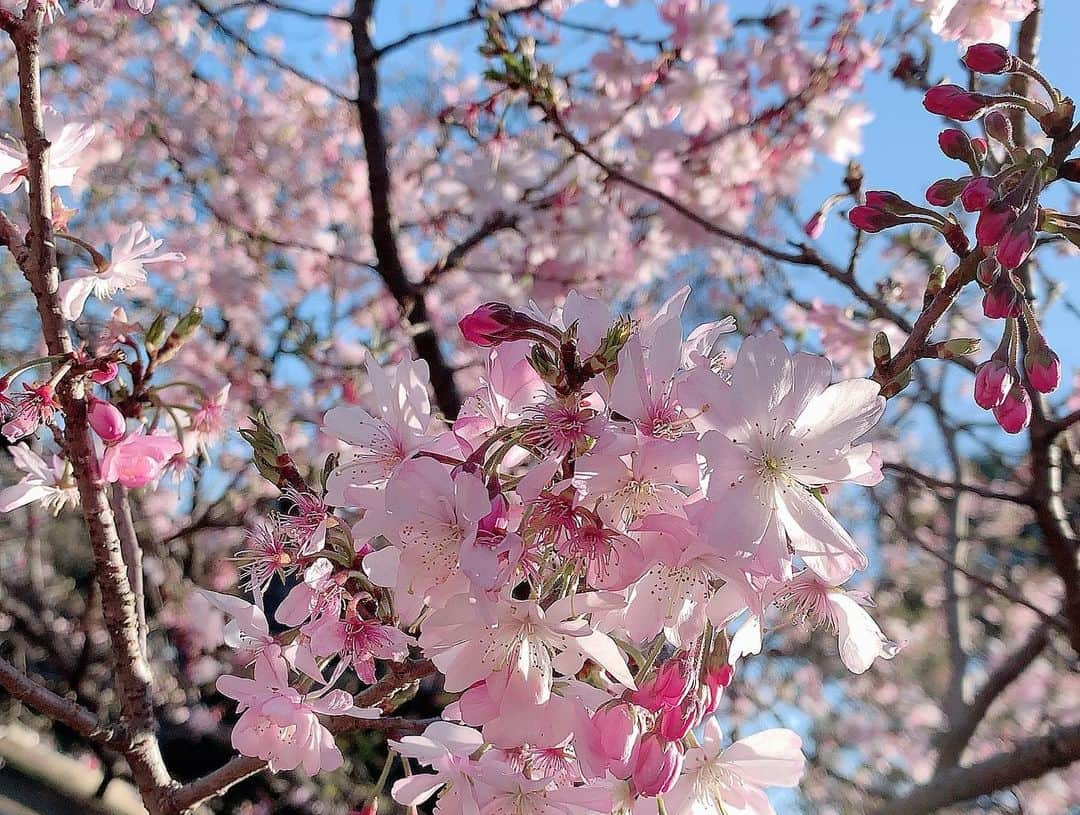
{"type": "Point", "coordinates": [667, 689]}
{"type": "Point", "coordinates": [657, 766]}
{"type": "Point", "coordinates": [981, 148]}
{"type": "Point", "coordinates": [106, 420]}
{"type": "Point", "coordinates": [1016, 244]}
{"type": "Point", "coordinates": [716, 679]}
{"type": "Point", "coordinates": [869, 219]}
{"type": "Point", "coordinates": [955, 102]}
{"type": "Point", "coordinates": [992, 223]}
{"type": "Point", "coordinates": [1002, 299]}
{"type": "Point", "coordinates": [977, 194]}
{"type": "Point", "coordinates": [676, 722]}
{"type": "Point", "coordinates": [488, 324]}
{"type": "Point", "coordinates": [955, 143]}
{"type": "Point", "coordinates": [1043, 368]}
{"type": "Point", "coordinates": [881, 348]}
{"type": "Point", "coordinates": [885, 200]}
{"type": "Point", "coordinates": [993, 381]}
{"type": "Point", "coordinates": [944, 191]}
{"type": "Point", "coordinates": [618, 729]}
{"type": "Point", "coordinates": [988, 58]}
{"type": "Point", "coordinates": [998, 127]}
{"type": "Point", "coordinates": [815, 225]}
{"type": "Point", "coordinates": [1014, 412]}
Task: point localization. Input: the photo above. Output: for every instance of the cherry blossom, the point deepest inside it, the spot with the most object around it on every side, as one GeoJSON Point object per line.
{"type": "Point", "coordinates": [132, 251]}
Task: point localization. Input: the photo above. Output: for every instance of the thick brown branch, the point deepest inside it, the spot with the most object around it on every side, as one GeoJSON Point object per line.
{"type": "Point", "coordinates": [1025, 761]}
{"type": "Point", "coordinates": [962, 727]}
{"type": "Point", "coordinates": [118, 604]}
{"type": "Point", "coordinates": [409, 296]}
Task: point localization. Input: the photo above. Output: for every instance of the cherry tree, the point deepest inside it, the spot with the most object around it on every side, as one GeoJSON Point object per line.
{"type": "Point", "coordinates": [471, 438]}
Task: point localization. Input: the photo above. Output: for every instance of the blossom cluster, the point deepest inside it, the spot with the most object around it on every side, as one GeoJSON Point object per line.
{"type": "Point", "coordinates": [584, 555]}
{"type": "Point", "coordinates": [1003, 187]}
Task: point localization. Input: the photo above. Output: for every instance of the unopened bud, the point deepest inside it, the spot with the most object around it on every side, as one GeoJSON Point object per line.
{"type": "Point", "coordinates": [106, 420]}
{"type": "Point", "coordinates": [989, 58]}
{"type": "Point", "coordinates": [1014, 412]}
{"type": "Point", "coordinates": [977, 194]}
{"type": "Point", "coordinates": [993, 381]}
{"type": "Point", "coordinates": [869, 219]}
{"type": "Point", "coordinates": [1002, 299]}
{"type": "Point", "coordinates": [156, 332]}
{"type": "Point", "coordinates": [1043, 367]}
{"type": "Point", "coordinates": [1017, 242]}
{"type": "Point", "coordinates": [955, 143]}
{"type": "Point", "coordinates": [955, 102]}
{"type": "Point", "coordinates": [959, 347]}
{"type": "Point", "coordinates": [992, 223]}
{"type": "Point", "coordinates": [945, 190]}
{"type": "Point", "coordinates": [882, 349]}
{"type": "Point", "coordinates": [999, 127]}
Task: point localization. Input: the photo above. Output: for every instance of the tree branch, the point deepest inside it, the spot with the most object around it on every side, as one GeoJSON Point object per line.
{"type": "Point", "coordinates": [133, 676]}
{"type": "Point", "coordinates": [56, 707]}
{"type": "Point", "coordinates": [962, 727]}
{"type": "Point", "coordinates": [409, 296]}
{"type": "Point", "coordinates": [1027, 760]}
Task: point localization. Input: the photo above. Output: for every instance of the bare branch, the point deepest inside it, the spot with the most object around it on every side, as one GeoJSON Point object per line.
{"type": "Point", "coordinates": [956, 486]}
{"type": "Point", "coordinates": [1027, 760]}
{"type": "Point", "coordinates": [962, 727]}
{"type": "Point", "coordinates": [408, 295]}
{"type": "Point", "coordinates": [118, 603]}
{"type": "Point", "coordinates": [57, 708]}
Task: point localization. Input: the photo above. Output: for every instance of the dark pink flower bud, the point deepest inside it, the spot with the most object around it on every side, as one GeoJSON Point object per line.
{"type": "Point", "coordinates": [815, 226]}
{"type": "Point", "coordinates": [1016, 244]}
{"type": "Point", "coordinates": [106, 420]}
{"type": "Point", "coordinates": [977, 194]}
{"type": "Point", "coordinates": [955, 143]}
{"type": "Point", "coordinates": [1002, 299]}
{"type": "Point", "coordinates": [988, 58]}
{"type": "Point", "coordinates": [1043, 368]}
{"type": "Point", "coordinates": [981, 148]}
{"type": "Point", "coordinates": [487, 324]}
{"type": "Point", "coordinates": [998, 127]}
{"type": "Point", "coordinates": [869, 219]}
{"type": "Point", "coordinates": [885, 200]}
{"type": "Point", "coordinates": [993, 381]}
{"type": "Point", "coordinates": [716, 679]}
{"type": "Point", "coordinates": [1014, 413]}
{"type": "Point", "coordinates": [944, 191]}
{"type": "Point", "coordinates": [370, 808]}
{"type": "Point", "coordinates": [955, 102]}
{"type": "Point", "coordinates": [987, 272]}
{"type": "Point", "coordinates": [676, 722]}
{"type": "Point", "coordinates": [667, 689]}
{"type": "Point", "coordinates": [657, 765]}
{"type": "Point", "coordinates": [992, 223]}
